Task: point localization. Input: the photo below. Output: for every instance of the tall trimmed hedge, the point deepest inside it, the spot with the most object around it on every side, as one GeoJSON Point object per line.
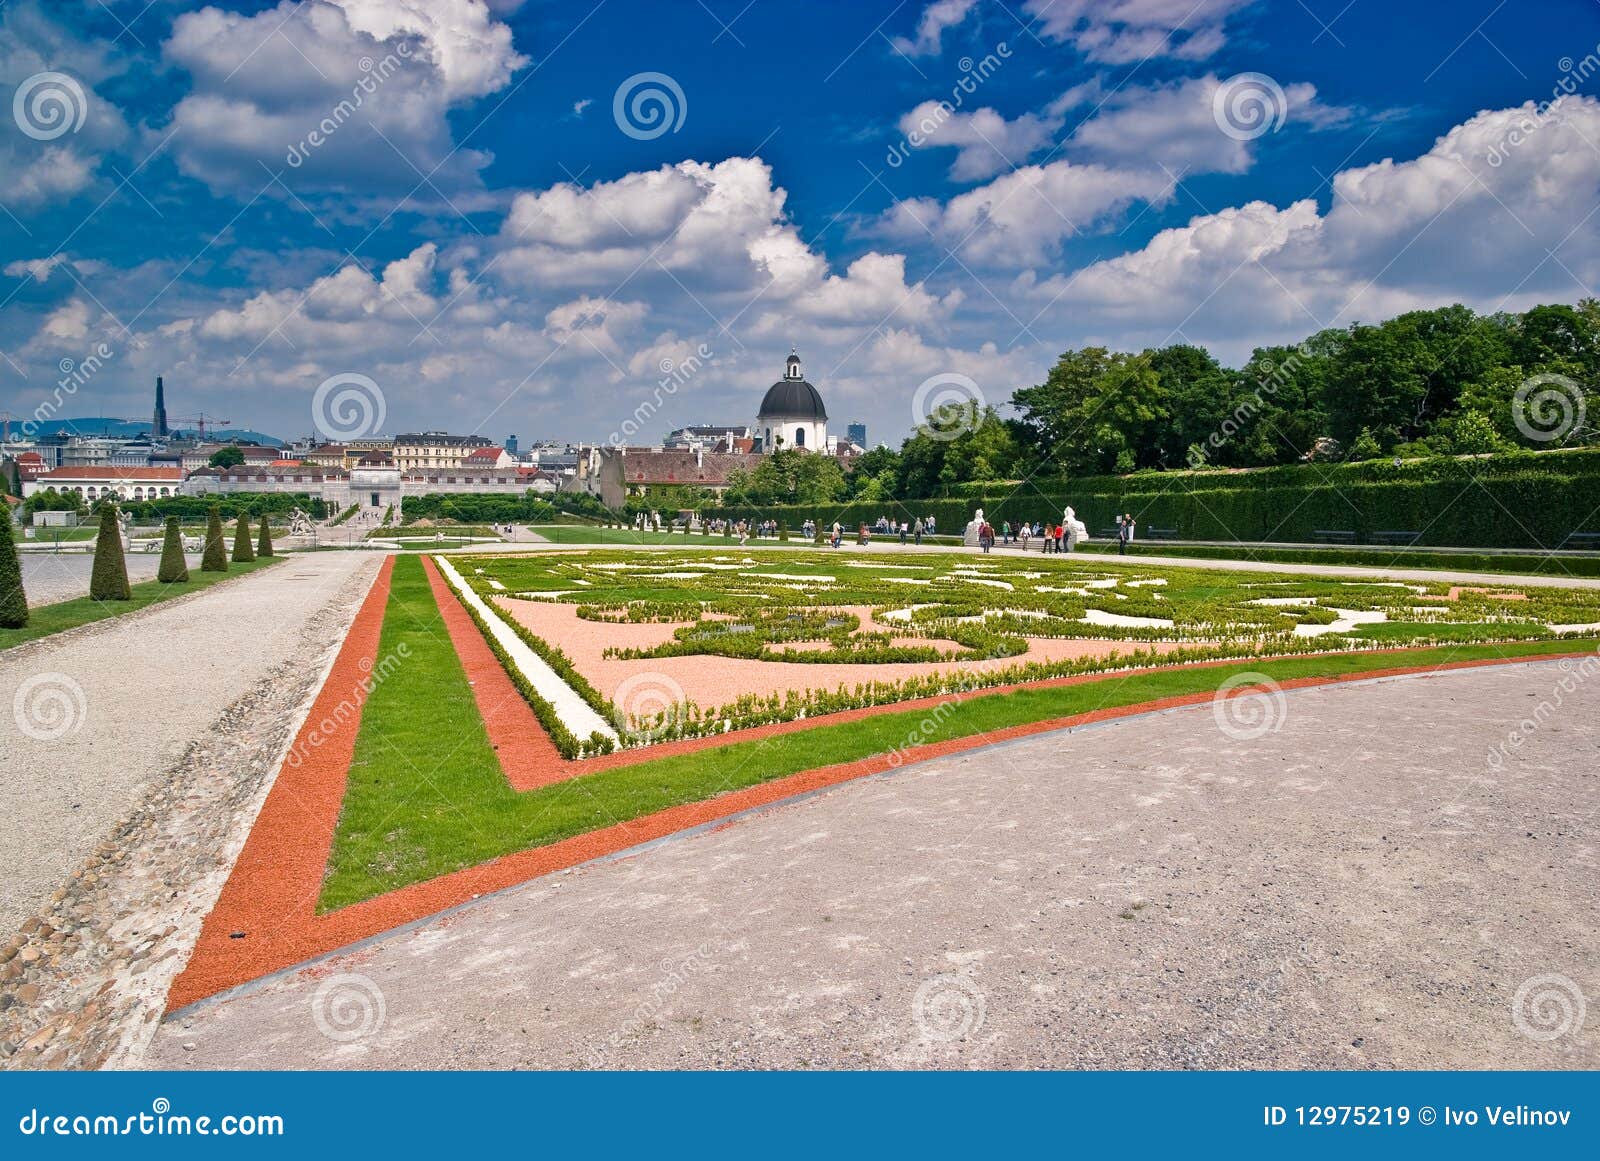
{"type": "Point", "coordinates": [215, 558]}
{"type": "Point", "coordinates": [264, 545]}
{"type": "Point", "coordinates": [243, 550]}
{"type": "Point", "coordinates": [13, 601]}
{"type": "Point", "coordinates": [192, 509]}
{"type": "Point", "coordinates": [1531, 500]}
{"type": "Point", "coordinates": [108, 581]}
{"type": "Point", "coordinates": [174, 569]}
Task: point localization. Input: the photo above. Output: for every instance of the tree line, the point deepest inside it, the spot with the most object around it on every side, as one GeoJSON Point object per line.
{"type": "Point", "coordinates": [1425, 383]}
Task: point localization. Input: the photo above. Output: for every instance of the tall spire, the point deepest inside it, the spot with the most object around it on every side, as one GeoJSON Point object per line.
{"type": "Point", "coordinates": [158, 424]}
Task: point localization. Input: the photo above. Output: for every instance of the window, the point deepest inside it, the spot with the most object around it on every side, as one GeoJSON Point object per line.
{"type": "Point", "coordinates": [799, 437]}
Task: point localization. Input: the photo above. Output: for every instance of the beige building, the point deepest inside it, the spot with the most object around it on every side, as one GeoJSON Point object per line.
{"type": "Point", "coordinates": [435, 449]}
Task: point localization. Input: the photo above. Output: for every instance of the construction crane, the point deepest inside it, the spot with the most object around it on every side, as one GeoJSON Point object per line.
{"type": "Point", "coordinates": [200, 421]}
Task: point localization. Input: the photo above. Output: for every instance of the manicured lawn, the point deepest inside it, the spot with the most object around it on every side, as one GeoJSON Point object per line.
{"type": "Point", "coordinates": [407, 531]}
{"type": "Point", "coordinates": [428, 798]}
{"type": "Point", "coordinates": [421, 748]}
{"type": "Point", "coordinates": [48, 619]}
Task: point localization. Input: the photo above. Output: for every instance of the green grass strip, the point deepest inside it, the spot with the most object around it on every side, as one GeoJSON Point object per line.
{"type": "Point", "coordinates": [436, 801]}
{"type": "Point", "coordinates": [63, 615]}
{"type": "Point", "coordinates": [420, 753]}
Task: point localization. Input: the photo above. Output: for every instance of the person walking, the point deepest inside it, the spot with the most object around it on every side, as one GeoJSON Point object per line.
{"type": "Point", "coordinates": [986, 536]}
{"type": "Point", "coordinates": [838, 533]}
{"type": "Point", "coordinates": [1122, 536]}
{"type": "Point", "coordinates": [916, 530]}
{"type": "Point", "coordinates": [1005, 531]}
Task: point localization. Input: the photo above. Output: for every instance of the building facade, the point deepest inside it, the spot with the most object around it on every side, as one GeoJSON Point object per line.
{"type": "Point", "coordinates": [792, 414]}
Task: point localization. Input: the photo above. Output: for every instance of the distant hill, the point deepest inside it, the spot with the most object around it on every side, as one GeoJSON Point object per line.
{"type": "Point", "coordinates": [118, 429]}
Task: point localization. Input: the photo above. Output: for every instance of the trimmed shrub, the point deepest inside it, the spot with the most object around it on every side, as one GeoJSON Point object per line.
{"type": "Point", "coordinates": [243, 550]}
{"type": "Point", "coordinates": [109, 580]}
{"type": "Point", "coordinates": [13, 601]}
{"type": "Point", "coordinates": [216, 554]}
{"type": "Point", "coordinates": [264, 545]}
{"type": "Point", "coordinates": [174, 570]}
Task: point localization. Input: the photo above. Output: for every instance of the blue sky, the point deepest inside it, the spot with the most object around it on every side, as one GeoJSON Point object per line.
{"type": "Point", "coordinates": [483, 238]}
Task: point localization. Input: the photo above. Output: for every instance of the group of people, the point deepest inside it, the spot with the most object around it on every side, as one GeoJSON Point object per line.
{"type": "Point", "coordinates": [922, 526]}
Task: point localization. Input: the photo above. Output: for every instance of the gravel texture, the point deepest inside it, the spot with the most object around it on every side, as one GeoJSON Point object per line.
{"type": "Point", "coordinates": [1360, 886]}
{"type": "Point", "coordinates": [116, 834]}
{"type": "Point", "coordinates": [48, 577]}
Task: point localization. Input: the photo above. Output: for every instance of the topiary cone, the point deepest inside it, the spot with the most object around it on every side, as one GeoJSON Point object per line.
{"type": "Point", "coordinates": [174, 570]}
{"type": "Point", "coordinates": [242, 551]}
{"type": "Point", "coordinates": [216, 555]}
{"type": "Point", "coordinates": [109, 580]}
{"type": "Point", "coordinates": [264, 545]}
{"type": "Point", "coordinates": [13, 601]}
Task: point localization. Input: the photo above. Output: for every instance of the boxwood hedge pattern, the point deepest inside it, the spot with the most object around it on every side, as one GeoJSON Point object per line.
{"type": "Point", "coordinates": [965, 608]}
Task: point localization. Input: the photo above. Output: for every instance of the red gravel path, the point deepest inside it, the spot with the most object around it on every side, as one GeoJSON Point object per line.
{"type": "Point", "coordinates": [270, 897]}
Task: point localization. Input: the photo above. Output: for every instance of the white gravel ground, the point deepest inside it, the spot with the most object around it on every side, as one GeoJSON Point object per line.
{"type": "Point", "coordinates": [48, 577]}
{"type": "Point", "coordinates": [126, 697]}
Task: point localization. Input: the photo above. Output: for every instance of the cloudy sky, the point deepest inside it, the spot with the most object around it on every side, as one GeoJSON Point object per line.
{"type": "Point", "coordinates": [525, 215]}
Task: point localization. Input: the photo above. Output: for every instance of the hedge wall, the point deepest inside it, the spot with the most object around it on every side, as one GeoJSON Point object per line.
{"type": "Point", "coordinates": [1514, 501]}
{"type": "Point", "coordinates": [193, 509]}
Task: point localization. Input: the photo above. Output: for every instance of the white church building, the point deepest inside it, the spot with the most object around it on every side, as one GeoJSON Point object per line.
{"type": "Point", "coordinates": [792, 414]}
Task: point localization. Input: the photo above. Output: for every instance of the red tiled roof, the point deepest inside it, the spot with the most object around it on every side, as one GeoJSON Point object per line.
{"type": "Point", "coordinates": [484, 453]}
{"type": "Point", "coordinates": [98, 473]}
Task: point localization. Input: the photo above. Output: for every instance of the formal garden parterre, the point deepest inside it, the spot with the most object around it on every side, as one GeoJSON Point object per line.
{"type": "Point", "coordinates": [491, 718]}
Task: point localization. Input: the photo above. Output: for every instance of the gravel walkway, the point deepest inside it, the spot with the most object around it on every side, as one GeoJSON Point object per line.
{"type": "Point", "coordinates": [48, 577]}
{"type": "Point", "coordinates": [1346, 891]}
{"type": "Point", "coordinates": [131, 745]}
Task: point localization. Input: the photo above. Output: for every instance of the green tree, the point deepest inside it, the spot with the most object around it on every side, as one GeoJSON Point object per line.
{"type": "Point", "coordinates": [108, 581]}
{"type": "Point", "coordinates": [215, 557]}
{"type": "Point", "coordinates": [13, 601]}
{"type": "Point", "coordinates": [174, 570]}
{"type": "Point", "coordinates": [264, 544]}
{"type": "Point", "coordinates": [242, 548]}
{"type": "Point", "coordinates": [227, 457]}
{"type": "Point", "coordinates": [1095, 410]}
{"type": "Point", "coordinates": [788, 476]}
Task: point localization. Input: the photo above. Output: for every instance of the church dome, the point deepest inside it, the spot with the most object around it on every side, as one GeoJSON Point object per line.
{"type": "Point", "coordinates": [792, 397]}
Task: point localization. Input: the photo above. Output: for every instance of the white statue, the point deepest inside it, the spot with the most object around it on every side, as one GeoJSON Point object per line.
{"type": "Point", "coordinates": [1076, 532]}
{"type": "Point", "coordinates": [970, 537]}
